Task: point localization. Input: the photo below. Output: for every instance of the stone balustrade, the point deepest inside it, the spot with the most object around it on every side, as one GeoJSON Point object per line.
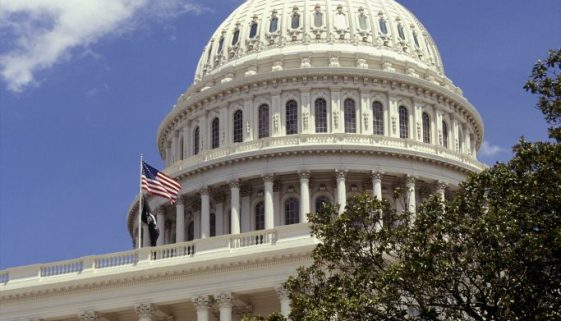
{"type": "Point", "coordinates": [345, 141]}
{"type": "Point", "coordinates": [150, 257]}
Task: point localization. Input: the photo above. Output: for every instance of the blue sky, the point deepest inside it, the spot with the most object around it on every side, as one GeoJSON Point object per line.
{"type": "Point", "coordinates": [84, 85]}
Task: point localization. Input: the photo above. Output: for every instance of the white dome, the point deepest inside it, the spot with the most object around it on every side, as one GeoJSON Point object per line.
{"type": "Point", "coordinates": [371, 30]}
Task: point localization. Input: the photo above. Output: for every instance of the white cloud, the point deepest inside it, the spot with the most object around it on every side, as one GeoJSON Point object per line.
{"type": "Point", "coordinates": [44, 32]}
{"type": "Point", "coordinates": [487, 149]}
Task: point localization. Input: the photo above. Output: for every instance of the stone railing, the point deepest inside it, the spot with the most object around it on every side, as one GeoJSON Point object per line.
{"type": "Point", "coordinates": [181, 253]}
{"type": "Point", "coordinates": [325, 141]}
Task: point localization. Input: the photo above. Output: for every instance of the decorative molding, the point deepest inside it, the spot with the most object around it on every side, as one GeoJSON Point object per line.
{"type": "Point", "coordinates": [88, 316]}
{"type": "Point", "coordinates": [145, 311]}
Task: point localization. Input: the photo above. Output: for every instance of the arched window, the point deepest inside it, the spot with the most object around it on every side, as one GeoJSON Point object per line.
{"type": "Point", "coordinates": [236, 37]}
{"type": "Point", "coordinates": [196, 141]}
{"type": "Point", "coordinates": [460, 141]}
{"type": "Point", "coordinates": [212, 224]}
{"type": "Point", "coordinates": [444, 134]}
{"type": "Point", "coordinates": [383, 26]}
{"type": "Point", "coordinates": [291, 211]}
{"type": "Point", "coordinates": [318, 19]}
{"type": "Point", "coordinates": [426, 128]}
{"type": "Point", "coordinates": [416, 39]}
{"type": "Point", "coordinates": [321, 115]}
{"type": "Point", "coordinates": [264, 121]}
{"type": "Point", "coordinates": [274, 24]}
{"type": "Point", "coordinates": [209, 55]}
{"type": "Point", "coordinates": [291, 117]}
{"type": "Point", "coordinates": [403, 122]}
{"type": "Point", "coordinates": [378, 113]}
{"type": "Point", "coordinates": [215, 133]}
{"type": "Point", "coordinates": [253, 30]}
{"type": "Point", "coordinates": [295, 23]}
{"type": "Point", "coordinates": [191, 231]}
{"type": "Point", "coordinates": [320, 201]}
{"type": "Point", "coordinates": [260, 216]}
{"type": "Point", "coordinates": [363, 22]}
{"type": "Point", "coordinates": [350, 116]}
{"type": "Point", "coordinates": [238, 126]}
{"type": "Point", "coordinates": [400, 32]}
{"type": "Point", "coordinates": [221, 44]}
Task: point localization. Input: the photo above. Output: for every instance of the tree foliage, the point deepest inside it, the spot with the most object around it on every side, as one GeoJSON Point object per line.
{"type": "Point", "coordinates": [491, 253]}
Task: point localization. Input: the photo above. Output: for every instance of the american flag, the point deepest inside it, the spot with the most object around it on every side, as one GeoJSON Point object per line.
{"type": "Point", "coordinates": [158, 183]}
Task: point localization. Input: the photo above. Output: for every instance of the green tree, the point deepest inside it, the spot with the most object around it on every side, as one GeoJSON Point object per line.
{"type": "Point", "coordinates": [491, 253]}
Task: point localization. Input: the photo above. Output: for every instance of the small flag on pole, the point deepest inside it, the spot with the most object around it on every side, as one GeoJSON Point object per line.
{"type": "Point", "coordinates": [149, 219]}
{"type": "Point", "coordinates": [158, 183]}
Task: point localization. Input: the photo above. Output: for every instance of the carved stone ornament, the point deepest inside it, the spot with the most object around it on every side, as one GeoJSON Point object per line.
{"type": "Point", "coordinates": [304, 175]}
{"type": "Point", "coordinates": [88, 316]}
{"type": "Point", "coordinates": [144, 310]}
{"type": "Point", "coordinates": [334, 62]}
{"type": "Point", "coordinates": [282, 293]}
{"type": "Point", "coordinates": [201, 302]}
{"type": "Point", "coordinates": [224, 300]}
{"type": "Point", "coordinates": [340, 174]}
{"type": "Point", "coordinates": [234, 184]}
{"type": "Point", "coordinates": [305, 63]}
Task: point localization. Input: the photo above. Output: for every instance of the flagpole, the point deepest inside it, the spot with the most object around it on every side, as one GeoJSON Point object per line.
{"type": "Point", "coordinates": [140, 207]}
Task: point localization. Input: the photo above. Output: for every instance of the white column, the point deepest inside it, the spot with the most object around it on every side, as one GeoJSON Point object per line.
{"type": "Point", "coordinates": [145, 236]}
{"type": "Point", "coordinates": [161, 222]}
{"type": "Point", "coordinates": [377, 185]}
{"type": "Point", "coordinates": [174, 149]}
{"type": "Point", "coordinates": [248, 120]}
{"type": "Point", "coordinates": [144, 311]}
{"type": "Point", "coordinates": [235, 212]}
{"type": "Point", "coordinates": [219, 208]}
{"type": "Point", "coordinates": [441, 190]}
{"type": "Point", "coordinates": [225, 306]}
{"type": "Point", "coordinates": [341, 190]}
{"type": "Point", "coordinates": [180, 220]}
{"type": "Point", "coordinates": [305, 111]}
{"type": "Point", "coordinates": [411, 199]}
{"type": "Point", "coordinates": [187, 149]}
{"type": "Point", "coordinates": [284, 302]}
{"type": "Point", "coordinates": [245, 211]}
{"type": "Point", "coordinates": [337, 120]}
{"type": "Point", "coordinates": [269, 207]}
{"type": "Point", "coordinates": [276, 205]}
{"type": "Point", "coordinates": [275, 114]}
{"type": "Point", "coordinates": [205, 213]}
{"type": "Point", "coordinates": [304, 196]}
{"type": "Point", "coordinates": [202, 305]}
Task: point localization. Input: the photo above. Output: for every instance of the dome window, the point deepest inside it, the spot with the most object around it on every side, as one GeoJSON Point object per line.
{"type": "Point", "coordinates": [403, 122]}
{"type": "Point", "coordinates": [362, 21]}
{"type": "Point", "coordinates": [291, 211]}
{"type": "Point", "coordinates": [253, 30]}
{"type": "Point", "coordinates": [318, 17]}
{"type": "Point", "coordinates": [238, 126]}
{"type": "Point", "coordinates": [236, 37]}
{"type": "Point", "coordinates": [426, 128]}
{"type": "Point", "coordinates": [321, 115]}
{"type": "Point", "coordinates": [383, 26]}
{"type": "Point", "coordinates": [295, 21]}
{"type": "Point", "coordinates": [215, 133]}
{"type": "Point", "coordinates": [400, 32]}
{"type": "Point", "coordinates": [209, 55]}
{"type": "Point", "coordinates": [291, 117]}
{"type": "Point", "coordinates": [221, 44]}
{"type": "Point", "coordinates": [350, 116]}
{"type": "Point", "coordinates": [260, 216]}
{"type": "Point", "coordinates": [416, 39]}
{"type": "Point", "coordinates": [378, 113]}
{"type": "Point", "coordinates": [274, 25]}
{"type": "Point", "coordinates": [263, 121]}
{"type": "Point", "coordinates": [212, 222]}
{"type": "Point", "coordinates": [444, 134]}
{"type": "Point", "coordinates": [196, 141]}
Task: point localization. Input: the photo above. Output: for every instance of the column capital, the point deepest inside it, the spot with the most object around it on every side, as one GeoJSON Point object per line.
{"type": "Point", "coordinates": [377, 175]}
{"type": "Point", "coordinates": [440, 185]}
{"type": "Point", "coordinates": [268, 178]}
{"type": "Point", "coordinates": [201, 302]}
{"type": "Point", "coordinates": [304, 174]}
{"type": "Point", "coordinates": [410, 180]}
{"type": "Point", "coordinates": [145, 310]}
{"type": "Point", "coordinates": [340, 174]}
{"type": "Point", "coordinates": [204, 191]}
{"type": "Point", "coordinates": [282, 293]}
{"type": "Point", "coordinates": [88, 316]}
{"type": "Point", "coordinates": [234, 184]}
{"type": "Point", "coordinates": [225, 300]}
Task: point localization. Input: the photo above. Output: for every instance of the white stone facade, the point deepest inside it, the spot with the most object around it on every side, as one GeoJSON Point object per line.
{"type": "Point", "coordinates": [349, 97]}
